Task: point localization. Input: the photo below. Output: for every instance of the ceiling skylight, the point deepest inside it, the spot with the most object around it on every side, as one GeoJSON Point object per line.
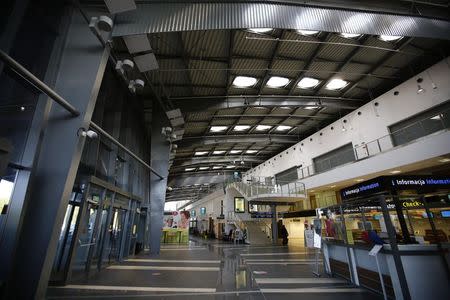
{"type": "Point", "coordinates": [307, 32]}
{"type": "Point", "coordinates": [260, 30]}
{"type": "Point", "coordinates": [189, 169]}
{"type": "Point", "coordinates": [251, 151]}
{"type": "Point", "coordinates": [235, 151]}
{"type": "Point", "coordinates": [350, 35]}
{"type": "Point", "coordinates": [277, 82]}
{"type": "Point", "coordinates": [390, 38]}
{"type": "Point", "coordinates": [218, 128]}
{"type": "Point", "coordinates": [203, 168]}
{"type": "Point", "coordinates": [263, 127]}
{"type": "Point", "coordinates": [336, 84]}
{"type": "Point", "coordinates": [217, 152]}
{"type": "Point", "coordinates": [198, 153]}
{"type": "Point", "coordinates": [230, 167]}
{"type": "Point", "coordinates": [217, 167]}
{"type": "Point", "coordinates": [283, 128]}
{"type": "Point", "coordinates": [308, 83]}
{"type": "Point", "coordinates": [241, 127]}
{"type": "Point", "coordinates": [244, 81]}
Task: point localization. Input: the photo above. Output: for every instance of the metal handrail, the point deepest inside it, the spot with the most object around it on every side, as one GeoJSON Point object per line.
{"type": "Point", "coordinates": [37, 83]}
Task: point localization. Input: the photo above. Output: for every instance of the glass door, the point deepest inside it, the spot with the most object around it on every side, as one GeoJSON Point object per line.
{"type": "Point", "coordinates": [88, 227]}
{"type": "Point", "coordinates": [103, 240]}
{"type": "Point", "coordinates": [66, 236]}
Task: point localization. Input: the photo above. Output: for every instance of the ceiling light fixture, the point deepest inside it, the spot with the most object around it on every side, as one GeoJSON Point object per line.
{"type": "Point", "coordinates": [395, 172]}
{"type": "Point", "coordinates": [260, 30]}
{"type": "Point", "coordinates": [203, 168]}
{"type": "Point", "coordinates": [359, 180]}
{"type": "Point", "coordinates": [244, 81]}
{"type": "Point", "coordinates": [438, 117]}
{"type": "Point", "coordinates": [307, 32]}
{"type": "Point", "coordinates": [251, 151]}
{"type": "Point", "coordinates": [217, 152]}
{"type": "Point", "coordinates": [235, 151]}
{"type": "Point", "coordinates": [198, 153]}
{"type": "Point", "coordinates": [217, 167]}
{"type": "Point", "coordinates": [420, 89]}
{"type": "Point", "coordinates": [230, 167]}
{"type": "Point", "coordinates": [390, 38]}
{"type": "Point", "coordinates": [350, 35]}
{"type": "Point", "coordinates": [308, 83]}
{"type": "Point", "coordinates": [189, 169]}
{"type": "Point", "coordinates": [444, 160]}
{"type": "Point", "coordinates": [336, 84]}
{"type": "Point", "coordinates": [283, 127]}
{"type": "Point", "coordinates": [218, 128]}
{"type": "Point", "coordinates": [277, 82]}
{"type": "Point", "coordinates": [241, 127]}
{"type": "Point", "coordinates": [310, 107]}
{"type": "Point", "coordinates": [332, 186]}
{"type": "Point", "coordinates": [263, 127]}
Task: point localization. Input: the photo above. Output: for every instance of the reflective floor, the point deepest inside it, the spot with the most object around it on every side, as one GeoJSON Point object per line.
{"type": "Point", "coordinates": [215, 270]}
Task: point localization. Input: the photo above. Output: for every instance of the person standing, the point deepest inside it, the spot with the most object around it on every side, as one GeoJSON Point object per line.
{"type": "Point", "coordinates": [284, 235]}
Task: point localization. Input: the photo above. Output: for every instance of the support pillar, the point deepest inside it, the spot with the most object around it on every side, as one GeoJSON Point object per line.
{"type": "Point", "coordinates": [160, 149]}
{"type": "Point", "coordinates": [78, 80]}
{"type": "Point", "coordinates": [273, 210]}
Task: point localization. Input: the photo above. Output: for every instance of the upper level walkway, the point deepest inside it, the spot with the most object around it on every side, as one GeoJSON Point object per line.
{"type": "Point", "coordinates": [214, 270]}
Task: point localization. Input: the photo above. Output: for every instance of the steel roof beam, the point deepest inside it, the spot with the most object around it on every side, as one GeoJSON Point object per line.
{"type": "Point", "coordinates": [244, 138]}
{"type": "Point", "coordinates": [192, 104]}
{"type": "Point", "coordinates": [218, 160]}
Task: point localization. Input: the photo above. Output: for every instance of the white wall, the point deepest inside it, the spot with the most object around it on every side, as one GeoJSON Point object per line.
{"type": "Point", "coordinates": [370, 125]}
{"type": "Point", "coordinates": [212, 204]}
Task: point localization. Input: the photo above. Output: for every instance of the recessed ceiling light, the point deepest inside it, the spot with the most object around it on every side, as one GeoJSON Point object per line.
{"type": "Point", "coordinates": [359, 180]}
{"type": "Point", "coordinates": [219, 152]}
{"type": "Point", "coordinates": [263, 127]}
{"type": "Point", "coordinates": [235, 151]}
{"type": "Point", "coordinates": [189, 169]}
{"type": "Point", "coordinates": [307, 32]}
{"type": "Point", "coordinates": [336, 84]}
{"type": "Point", "coordinates": [230, 167]}
{"type": "Point", "coordinates": [218, 128]}
{"type": "Point", "coordinates": [283, 128]}
{"type": "Point", "coordinates": [310, 107]}
{"type": "Point", "coordinates": [251, 151]}
{"type": "Point", "coordinates": [198, 153]}
{"type": "Point", "coordinates": [244, 81]}
{"type": "Point", "coordinates": [277, 82]}
{"type": "Point", "coordinates": [217, 167]}
{"type": "Point", "coordinates": [395, 172]}
{"type": "Point", "coordinates": [241, 127]}
{"type": "Point", "coordinates": [390, 38]}
{"type": "Point", "coordinates": [203, 168]}
{"type": "Point", "coordinates": [308, 83]}
{"type": "Point", "coordinates": [260, 30]}
{"type": "Point", "coordinates": [444, 160]}
{"type": "Point", "coordinates": [350, 35]}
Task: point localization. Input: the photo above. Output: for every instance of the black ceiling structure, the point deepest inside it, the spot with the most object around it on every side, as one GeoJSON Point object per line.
{"type": "Point", "coordinates": [198, 63]}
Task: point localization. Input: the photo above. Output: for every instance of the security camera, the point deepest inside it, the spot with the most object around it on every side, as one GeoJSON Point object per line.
{"type": "Point", "coordinates": [87, 133]}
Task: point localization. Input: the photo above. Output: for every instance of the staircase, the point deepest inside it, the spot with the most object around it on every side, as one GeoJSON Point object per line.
{"type": "Point", "coordinates": [256, 234]}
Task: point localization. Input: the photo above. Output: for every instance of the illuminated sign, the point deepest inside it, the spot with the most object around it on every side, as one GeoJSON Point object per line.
{"type": "Point", "coordinates": [412, 204]}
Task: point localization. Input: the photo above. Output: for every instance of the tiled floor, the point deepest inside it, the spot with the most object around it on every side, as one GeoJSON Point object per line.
{"type": "Point", "coordinates": [213, 270]}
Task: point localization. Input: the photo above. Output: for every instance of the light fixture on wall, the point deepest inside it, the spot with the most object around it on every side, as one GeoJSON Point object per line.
{"type": "Point", "coordinates": [433, 85]}
{"type": "Point", "coordinates": [87, 133]}
{"type": "Point", "coordinates": [103, 23]}
{"type": "Point", "coordinates": [420, 89]}
{"type": "Point", "coordinates": [124, 65]}
{"type": "Point", "coordinates": [136, 84]}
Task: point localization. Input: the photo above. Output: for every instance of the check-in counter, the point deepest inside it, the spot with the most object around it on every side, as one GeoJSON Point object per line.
{"type": "Point", "coordinates": [423, 265]}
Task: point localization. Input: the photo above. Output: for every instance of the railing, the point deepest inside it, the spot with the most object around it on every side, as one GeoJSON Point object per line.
{"type": "Point", "coordinates": [390, 141]}
{"type": "Point", "coordinates": [256, 187]}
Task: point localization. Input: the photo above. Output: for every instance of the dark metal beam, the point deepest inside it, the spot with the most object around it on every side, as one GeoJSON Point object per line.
{"type": "Point", "coordinates": [218, 160]}
{"type": "Point", "coordinates": [271, 62]}
{"type": "Point", "coordinates": [192, 104]}
{"type": "Point", "coordinates": [188, 141]}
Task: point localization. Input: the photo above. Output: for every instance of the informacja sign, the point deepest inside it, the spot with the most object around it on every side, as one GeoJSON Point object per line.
{"type": "Point", "coordinates": [388, 183]}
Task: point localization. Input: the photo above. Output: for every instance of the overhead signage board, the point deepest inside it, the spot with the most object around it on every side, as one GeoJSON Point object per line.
{"type": "Point", "coordinates": [388, 183]}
